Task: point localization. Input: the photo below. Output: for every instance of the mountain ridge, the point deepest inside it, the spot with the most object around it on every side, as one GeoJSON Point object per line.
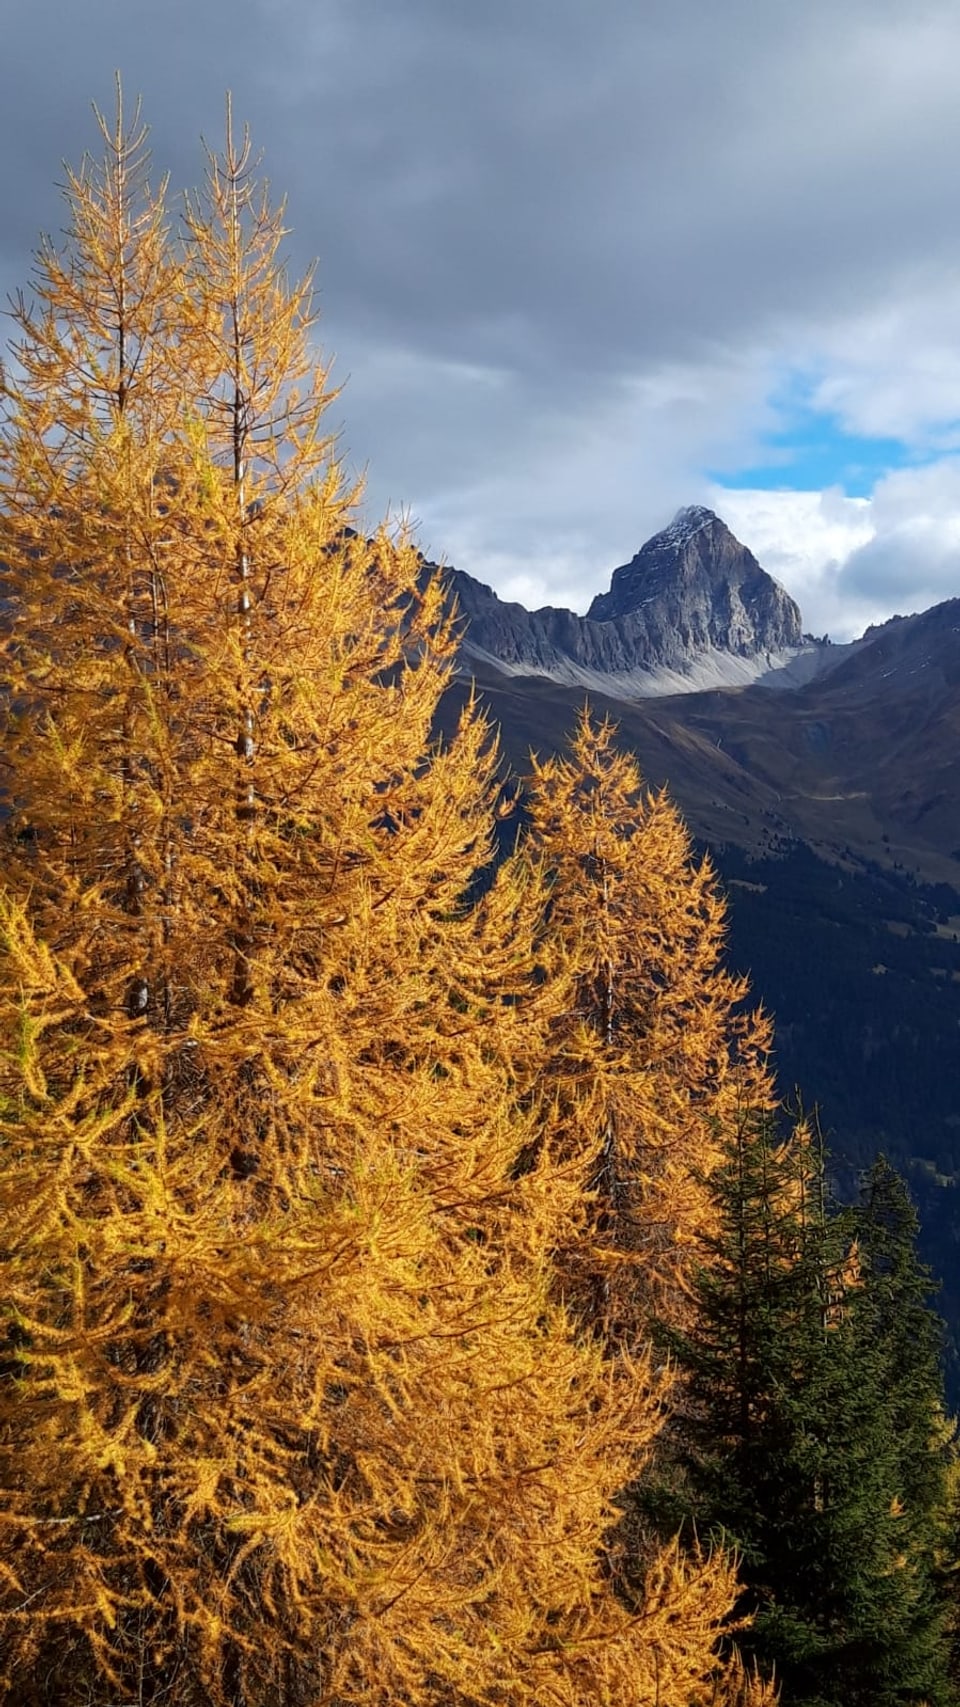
{"type": "Point", "coordinates": [857, 750]}
{"type": "Point", "coordinates": [693, 609]}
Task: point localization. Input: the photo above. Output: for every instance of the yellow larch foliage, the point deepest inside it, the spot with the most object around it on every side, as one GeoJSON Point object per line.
{"type": "Point", "coordinates": [655, 1057]}
{"type": "Point", "coordinates": [738, 1685]}
{"type": "Point", "coordinates": [291, 1408]}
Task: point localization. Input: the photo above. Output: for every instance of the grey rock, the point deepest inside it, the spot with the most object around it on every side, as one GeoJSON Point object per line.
{"type": "Point", "coordinates": [693, 591]}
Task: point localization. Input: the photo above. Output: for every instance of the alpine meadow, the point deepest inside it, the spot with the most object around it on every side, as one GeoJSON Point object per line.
{"type": "Point", "coordinates": [412, 1293]}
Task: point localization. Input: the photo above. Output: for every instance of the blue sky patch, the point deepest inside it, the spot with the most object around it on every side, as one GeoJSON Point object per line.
{"type": "Point", "coordinates": [810, 451]}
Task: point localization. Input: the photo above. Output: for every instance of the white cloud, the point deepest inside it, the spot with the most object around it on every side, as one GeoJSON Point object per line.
{"type": "Point", "coordinates": [805, 539]}
{"type": "Point", "coordinates": [894, 371]}
{"type": "Point", "coordinates": [913, 559]}
{"type": "Point", "coordinates": [852, 561]}
{"type": "Point", "coordinates": [544, 502]}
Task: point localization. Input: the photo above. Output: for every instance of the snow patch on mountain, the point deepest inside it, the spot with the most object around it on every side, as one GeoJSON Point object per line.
{"type": "Point", "coordinates": [688, 521]}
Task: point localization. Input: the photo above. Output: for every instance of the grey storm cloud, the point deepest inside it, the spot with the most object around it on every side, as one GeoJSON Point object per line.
{"type": "Point", "coordinates": [913, 559]}
{"type": "Point", "coordinates": [563, 249]}
{"type": "Point", "coordinates": [912, 568]}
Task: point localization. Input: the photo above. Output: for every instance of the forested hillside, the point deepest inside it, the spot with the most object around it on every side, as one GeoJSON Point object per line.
{"type": "Point", "coordinates": [861, 967]}
{"type": "Point", "coordinates": [413, 1292]}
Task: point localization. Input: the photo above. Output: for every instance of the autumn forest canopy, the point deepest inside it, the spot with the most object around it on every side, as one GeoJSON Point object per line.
{"type": "Point", "coordinates": [413, 1291]}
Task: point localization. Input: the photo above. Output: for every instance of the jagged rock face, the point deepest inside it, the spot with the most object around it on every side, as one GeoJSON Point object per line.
{"type": "Point", "coordinates": [692, 590]}
{"type": "Point", "coordinates": [706, 587]}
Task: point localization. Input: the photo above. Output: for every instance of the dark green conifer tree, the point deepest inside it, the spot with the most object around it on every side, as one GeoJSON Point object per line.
{"type": "Point", "coordinates": [898, 1340]}
{"type": "Point", "coordinates": [799, 1446]}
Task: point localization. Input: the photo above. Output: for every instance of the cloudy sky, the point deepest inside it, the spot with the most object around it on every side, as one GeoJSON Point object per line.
{"type": "Point", "coordinates": [583, 261]}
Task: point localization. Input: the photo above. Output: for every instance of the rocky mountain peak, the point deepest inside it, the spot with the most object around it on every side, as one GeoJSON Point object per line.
{"type": "Point", "coordinates": [692, 609]}
{"type": "Point", "coordinates": [700, 576]}
{"type": "Point", "coordinates": [691, 519]}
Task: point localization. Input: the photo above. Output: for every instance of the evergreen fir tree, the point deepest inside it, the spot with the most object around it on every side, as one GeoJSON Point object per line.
{"type": "Point", "coordinates": [898, 1336]}
{"type": "Point", "coordinates": [790, 1447]}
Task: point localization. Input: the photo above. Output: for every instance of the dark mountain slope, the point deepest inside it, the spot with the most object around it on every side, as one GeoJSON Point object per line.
{"type": "Point", "coordinates": [865, 757]}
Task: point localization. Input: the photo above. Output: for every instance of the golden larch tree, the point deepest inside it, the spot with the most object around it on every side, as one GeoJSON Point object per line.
{"type": "Point", "coordinates": [655, 1056]}
{"type": "Point", "coordinates": [291, 1408]}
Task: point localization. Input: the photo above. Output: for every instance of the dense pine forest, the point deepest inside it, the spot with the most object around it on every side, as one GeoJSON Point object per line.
{"type": "Point", "coordinates": [414, 1290]}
